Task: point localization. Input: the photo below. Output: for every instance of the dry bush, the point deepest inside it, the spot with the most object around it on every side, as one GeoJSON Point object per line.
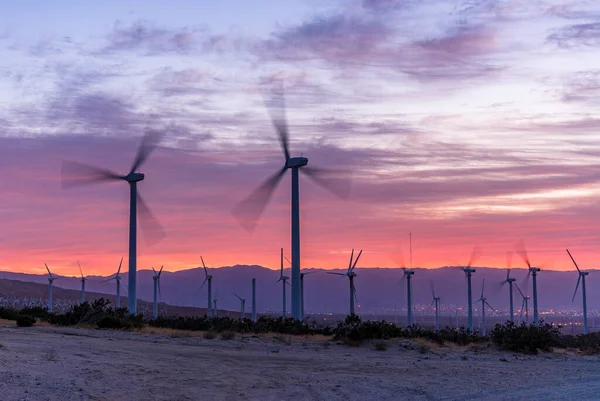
{"type": "Point", "coordinates": [228, 335]}
{"type": "Point", "coordinates": [209, 335]}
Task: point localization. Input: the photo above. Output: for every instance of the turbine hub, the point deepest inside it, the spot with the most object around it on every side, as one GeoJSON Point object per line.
{"type": "Point", "coordinates": [296, 162]}
{"type": "Point", "coordinates": [511, 280]}
{"type": "Point", "coordinates": [351, 274]}
{"type": "Point", "coordinates": [134, 177]}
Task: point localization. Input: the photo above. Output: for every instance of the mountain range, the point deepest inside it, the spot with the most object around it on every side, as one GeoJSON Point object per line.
{"type": "Point", "coordinates": [379, 290]}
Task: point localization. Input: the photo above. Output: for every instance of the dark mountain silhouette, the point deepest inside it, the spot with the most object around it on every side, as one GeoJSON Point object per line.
{"type": "Point", "coordinates": [379, 290]}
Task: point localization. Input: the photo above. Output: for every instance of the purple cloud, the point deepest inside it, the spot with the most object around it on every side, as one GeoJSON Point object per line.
{"type": "Point", "coordinates": [577, 35]}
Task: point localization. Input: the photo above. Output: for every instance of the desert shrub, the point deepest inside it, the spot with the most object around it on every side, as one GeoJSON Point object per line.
{"type": "Point", "coordinates": [37, 312]}
{"type": "Point", "coordinates": [25, 321]}
{"type": "Point", "coordinates": [228, 335]}
{"type": "Point", "coordinates": [524, 338]}
{"type": "Point", "coordinates": [9, 314]}
{"type": "Point", "coordinates": [117, 322]}
{"type": "Point", "coordinates": [589, 344]}
{"type": "Point", "coordinates": [209, 335]}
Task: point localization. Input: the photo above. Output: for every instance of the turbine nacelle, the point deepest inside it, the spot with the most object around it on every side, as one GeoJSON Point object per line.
{"type": "Point", "coordinates": [296, 162]}
{"type": "Point", "coordinates": [534, 270]}
{"type": "Point", "coordinates": [468, 270]}
{"type": "Point", "coordinates": [134, 177]}
{"type": "Point", "coordinates": [408, 273]}
{"type": "Point", "coordinates": [511, 280]}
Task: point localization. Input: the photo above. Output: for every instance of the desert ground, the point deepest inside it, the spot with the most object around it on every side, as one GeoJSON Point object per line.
{"type": "Point", "coordinates": [54, 363]}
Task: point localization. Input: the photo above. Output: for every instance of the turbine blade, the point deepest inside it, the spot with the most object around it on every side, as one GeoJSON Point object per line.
{"type": "Point", "coordinates": [356, 260]}
{"type": "Point", "coordinates": [48, 269]}
{"type": "Point", "coordinates": [482, 287]}
{"type": "Point", "coordinates": [149, 142]}
{"type": "Point", "coordinates": [159, 292]}
{"type": "Point", "coordinates": [336, 273]}
{"type": "Point", "coordinates": [281, 270]}
{"type": "Point", "coordinates": [351, 258]}
{"type": "Point", "coordinates": [108, 279]}
{"type": "Point", "coordinates": [520, 249]}
{"type": "Point", "coordinates": [154, 270]}
{"type": "Point", "coordinates": [120, 263]}
{"type": "Point", "coordinates": [275, 104]}
{"type": "Point", "coordinates": [520, 292]}
{"type": "Point", "coordinates": [490, 306]}
{"type": "Point", "coordinates": [576, 288]}
{"type": "Point", "coordinates": [287, 260]}
{"type": "Point", "coordinates": [509, 256]}
{"type": "Point", "coordinates": [160, 271]}
{"type": "Point", "coordinates": [205, 269]}
{"type": "Point", "coordinates": [354, 292]}
{"type": "Point", "coordinates": [80, 271]}
{"type": "Point", "coordinates": [338, 182]}
{"type": "Point", "coordinates": [238, 297]}
{"type": "Point", "coordinates": [76, 174]}
{"type": "Point", "coordinates": [287, 282]}
{"type": "Point", "coordinates": [575, 263]}
{"type": "Point", "coordinates": [250, 209]}
{"type": "Point", "coordinates": [202, 286]}
{"type": "Point", "coordinates": [522, 307]}
{"type": "Point", "coordinates": [153, 231]}
{"type": "Point", "coordinates": [474, 255]}
{"type": "Point", "coordinates": [432, 290]}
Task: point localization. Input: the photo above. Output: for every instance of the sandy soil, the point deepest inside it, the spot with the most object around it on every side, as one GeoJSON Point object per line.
{"type": "Point", "coordinates": [49, 363]}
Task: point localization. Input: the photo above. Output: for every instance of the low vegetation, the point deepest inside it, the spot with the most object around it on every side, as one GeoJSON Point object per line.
{"type": "Point", "coordinates": [352, 331]}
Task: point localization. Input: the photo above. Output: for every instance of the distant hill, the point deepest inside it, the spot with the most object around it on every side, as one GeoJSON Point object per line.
{"type": "Point", "coordinates": [379, 290]}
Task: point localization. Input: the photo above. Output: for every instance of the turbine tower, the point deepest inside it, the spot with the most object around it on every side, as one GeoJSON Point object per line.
{"type": "Point", "coordinates": [215, 311]}
{"type": "Point", "coordinates": [51, 279]}
{"type": "Point", "coordinates": [254, 300]}
{"type": "Point", "coordinates": [117, 278]}
{"type": "Point", "coordinates": [249, 210]}
{"type": "Point", "coordinates": [484, 302]}
{"type": "Point", "coordinates": [581, 278]}
{"type": "Point", "coordinates": [82, 283]}
{"type": "Point", "coordinates": [468, 273]}
{"type": "Point", "coordinates": [242, 306]}
{"type": "Point", "coordinates": [302, 274]}
{"type": "Point", "coordinates": [75, 174]}
{"type": "Point", "coordinates": [436, 302]}
{"type": "Point", "coordinates": [350, 274]}
{"type": "Point", "coordinates": [510, 281]}
{"type": "Point", "coordinates": [284, 279]}
{"type": "Point", "coordinates": [533, 271]}
{"type": "Point", "coordinates": [524, 305]}
{"type": "Point", "coordinates": [408, 273]}
{"type": "Point", "coordinates": [156, 278]}
{"type": "Point", "coordinates": [208, 279]}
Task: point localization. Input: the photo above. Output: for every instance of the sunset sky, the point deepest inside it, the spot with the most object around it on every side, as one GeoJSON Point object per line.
{"type": "Point", "coordinates": [463, 122]}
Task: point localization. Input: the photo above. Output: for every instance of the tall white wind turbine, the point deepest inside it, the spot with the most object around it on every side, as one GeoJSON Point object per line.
{"type": "Point", "coordinates": [82, 283]}
{"type": "Point", "coordinates": [75, 174]}
{"type": "Point", "coordinates": [581, 278]}
{"type": "Point", "coordinates": [156, 279]}
{"type": "Point", "coordinates": [51, 278]}
{"type": "Point", "coordinates": [350, 274]}
{"type": "Point", "coordinates": [249, 210]}
{"type": "Point", "coordinates": [484, 303]}
{"type": "Point", "coordinates": [117, 278]}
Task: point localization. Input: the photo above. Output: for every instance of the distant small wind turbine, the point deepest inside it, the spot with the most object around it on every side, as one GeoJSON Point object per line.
{"type": "Point", "coordinates": [156, 278]}
{"type": "Point", "coordinates": [75, 174]}
{"type": "Point", "coordinates": [436, 302]}
{"type": "Point", "coordinates": [242, 306]}
{"type": "Point", "coordinates": [284, 280]}
{"type": "Point", "coordinates": [581, 278]}
{"type": "Point", "coordinates": [117, 278]}
{"type": "Point", "coordinates": [510, 281]}
{"type": "Point", "coordinates": [82, 283]}
{"type": "Point", "coordinates": [484, 303]}
{"type": "Point", "coordinates": [350, 274]}
{"type": "Point", "coordinates": [208, 279]}
{"type": "Point", "coordinates": [524, 305]}
{"type": "Point", "coordinates": [533, 271]}
{"type": "Point", "coordinates": [468, 273]}
{"type": "Point", "coordinates": [51, 279]}
{"type": "Point", "coordinates": [215, 311]}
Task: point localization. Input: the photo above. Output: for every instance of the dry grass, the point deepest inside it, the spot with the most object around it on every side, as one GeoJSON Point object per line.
{"type": "Point", "coordinates": [424, 343]}
{"type": "Point", "coordinates": [170, 332]}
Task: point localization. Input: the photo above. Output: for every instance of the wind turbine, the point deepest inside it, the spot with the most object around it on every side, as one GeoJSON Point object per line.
{"type": "Point", "coordinates": [533, 271]}
{"type": "Point", "coordinates": [302, 274]}
{"type": "Point", "coordinates": [243, 306]}
{"type": "Point", "coordinates": [82, 283]}
{"type": "Point", "coordinates": [510, 281]}
{"type": "Point", "coordinates": [248, 211]}
{"type": "Point", "coordinates": [582, 274]}
{"type": "Point", "coordinates": [524, 305]}
{"type": "Point", "coordinates": [484, 302]}
{"type": "Point", "coordinates": [76, 174]}
{"type": "Point", "coordinates": [350, 274]}
{"type": "Point", "coordinates": [436, 301]}
{"type": "Point", "coordinates": [408, 273]}
{"type": "Point", "coordinates": [284, 279]}
{"type": "Point", "coordinates": [468, 273]}
{"type": "Point", "coordinates": [51, 278]}
{"type": "Point", "coordinates": [156, 278]}
{"type": "Point", "coordinates": [117, 277]}
{"type": "Point", "coordinates": [215, 314]}
{"type": "Point", "coordinates": [208, 279]}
